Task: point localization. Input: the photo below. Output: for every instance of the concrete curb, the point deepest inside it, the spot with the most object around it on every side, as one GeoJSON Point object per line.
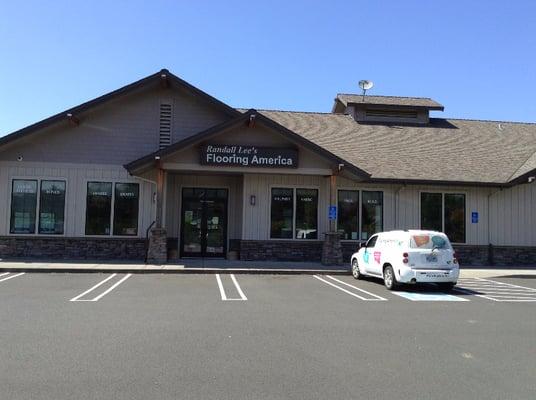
{"type": "Point", "coordinates": [252, 271]}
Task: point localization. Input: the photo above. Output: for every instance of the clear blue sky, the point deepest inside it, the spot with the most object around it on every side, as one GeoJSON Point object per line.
{"type": "Point", "coordinates": [478, 58]}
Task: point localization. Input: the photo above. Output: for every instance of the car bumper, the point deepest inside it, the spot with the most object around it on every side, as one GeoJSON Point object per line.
{"type": "Point", "coordinates": [429, 275]}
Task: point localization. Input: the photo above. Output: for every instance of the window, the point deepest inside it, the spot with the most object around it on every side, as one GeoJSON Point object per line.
{"type": "Point", "coordinates": [294, 210]}
{"type": "Point", "coordinates": [455, 217]}
{"type": "Point", "coordinates": [23, 206]}
{"type": "Point", "coordinates": [51, 207]}
{"type": "Point", "coordinates": [431, 211]}
{"type": "Point", "coordinates": [348, 214]}
{"type": "Point", "coordinates": [371, 213]}
{"type": "Point", "coordinates": [372, 242]}
{"type": "Point", "coordinates": [444, 212]}
{"type": "Point", "coordinates": [99, 207]}
{"type": "Point", "coordinates": [306, 213]}
{"type": "Point", "coordinates": [282, 213]}
{"type": "Point", "coordinates": [126, 209]}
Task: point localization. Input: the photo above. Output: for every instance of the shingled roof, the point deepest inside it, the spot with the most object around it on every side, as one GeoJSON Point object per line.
{"type": "Point", "coordinates": [446, 150]}
{"type": "Point", "coordinates": [416, 102]}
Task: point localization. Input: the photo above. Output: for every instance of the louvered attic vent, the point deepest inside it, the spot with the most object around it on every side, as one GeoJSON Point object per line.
{"type": "Point", "coordinates": [165, 125]}
{"type": "Point", "coordinates": [409, 114]}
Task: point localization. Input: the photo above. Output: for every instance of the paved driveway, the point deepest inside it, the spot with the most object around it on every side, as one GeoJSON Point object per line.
{"type": "Point", "coordinates": [208, 336]}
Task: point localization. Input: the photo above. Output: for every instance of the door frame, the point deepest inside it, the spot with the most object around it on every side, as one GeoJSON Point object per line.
{"type": "Point", "coordinates": [180, 220]}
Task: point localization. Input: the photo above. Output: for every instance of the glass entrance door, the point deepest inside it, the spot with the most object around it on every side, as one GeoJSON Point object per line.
{"type": "Point", "coordinates": [203, 222]}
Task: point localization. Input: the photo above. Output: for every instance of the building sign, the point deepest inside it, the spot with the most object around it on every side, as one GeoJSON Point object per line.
{"type": "Point", "coordinates": [248, 156]}
{"type": "Point", "coordinates": [474, 217]}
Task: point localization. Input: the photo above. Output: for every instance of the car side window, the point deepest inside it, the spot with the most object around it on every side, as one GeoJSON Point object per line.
{"type": "Point", "coordinates": [372, 242]}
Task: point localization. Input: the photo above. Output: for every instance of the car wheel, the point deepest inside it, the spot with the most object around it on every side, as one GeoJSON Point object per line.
{"type": "Point", "coordinates": [355, 270]}
{"type": "Point", "coordinates": [389, 278]}
{"type": "Point", "coordinates": [446, 286]}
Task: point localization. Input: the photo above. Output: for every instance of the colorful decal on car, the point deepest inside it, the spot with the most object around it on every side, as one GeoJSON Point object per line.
{"type": "Point", "coordinates": [377, 256]}
{"type": "Point", "coordinates": [366, 256]}
{"type": "Point", "coordinates": [421, 240]}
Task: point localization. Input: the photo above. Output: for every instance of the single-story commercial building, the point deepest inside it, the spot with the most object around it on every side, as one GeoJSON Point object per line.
{"type": "Point", "coordinates": [161, 168]}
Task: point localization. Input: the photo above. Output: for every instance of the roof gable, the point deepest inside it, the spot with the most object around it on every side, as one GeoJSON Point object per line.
{"type": "Point", "coordinates": [249, 116]}
{"type": "Point", "coordinates": [162, 78]}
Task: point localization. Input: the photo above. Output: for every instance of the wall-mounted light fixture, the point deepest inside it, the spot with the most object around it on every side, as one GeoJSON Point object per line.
{"type": "Point", "coordinates": [252, 199]}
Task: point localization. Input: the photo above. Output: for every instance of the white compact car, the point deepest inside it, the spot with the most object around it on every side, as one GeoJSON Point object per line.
{"type": "Point", "coordinates": [411, 256]}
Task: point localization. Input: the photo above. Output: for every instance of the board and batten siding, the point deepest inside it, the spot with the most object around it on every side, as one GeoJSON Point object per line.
{"type": "Point", "coordinates": [76, 177]}
{"type": "Point", "coordinates": [513, 216]}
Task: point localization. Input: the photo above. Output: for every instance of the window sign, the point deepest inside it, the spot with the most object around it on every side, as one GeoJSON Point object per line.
{"type": "Point", "coordinates": [98, 208]}
{"type": "Point", "coordinates": [23, 206]}
{"type": "Point", "coordinates": [51, 207]}
{"type": "Point", "coordinates": [282, 213]}
{"type": "Point", "coordinates": [126, 209]}
{"type": "Point", "coordinates": [306, 213]}
{"type": "Point", "coordinates": [371, 213]}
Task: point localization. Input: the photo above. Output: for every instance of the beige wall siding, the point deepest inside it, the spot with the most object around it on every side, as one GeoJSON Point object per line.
{"type": "Point", "coordinates": [76, 177]}
{"type": "Point", "coordinates": [409, 215]}
{"type": "Point", "coordinates": [513, 214]}
{"type": "Point", "coordinates": [174, 186]}
{"type": "Point", "coordinates": [256, 218]}
{"type": "Point", "coordinates": [117, 132]}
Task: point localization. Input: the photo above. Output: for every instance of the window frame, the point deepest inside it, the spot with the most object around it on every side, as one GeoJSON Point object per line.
{"type": "Point", "coordinates": [443, 192]}
{"type": "Point", "coordinates": [294, 187]}
{"type": "Point", "coordinates": [360, 189]}
{"type": "Point", "coordinates": [112, 214]}
{"type": "Point", "coordinates": [38, 205]}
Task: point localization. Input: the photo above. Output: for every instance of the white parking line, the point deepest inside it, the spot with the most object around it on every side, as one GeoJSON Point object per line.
{"type": "Point", "coordinates": [238, 289]}
{"type": "Point", "coordinates": [347, 291]}
{"type": "Point", "coordinates": [99, 284]}
{"type": "Point", "coordinates": [355, 287]}
{"type": "Point", "coordinates": [11, 277]}
{"type": "Point", "coordinates": [5, 273]}
{"type": "Point", "coordinates": [496, 291]}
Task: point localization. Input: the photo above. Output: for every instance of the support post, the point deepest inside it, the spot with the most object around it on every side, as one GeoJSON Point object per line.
{"type": "Point", "coordinates": [157, 252]}
{"type": "Point", "coordinates": [331, 248]}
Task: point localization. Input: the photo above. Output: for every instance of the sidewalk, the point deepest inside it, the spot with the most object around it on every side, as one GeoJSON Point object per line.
{"type": "Point", "coordinates": [175, 266]}
{"type": "Point", "coordinates": [226, 266]}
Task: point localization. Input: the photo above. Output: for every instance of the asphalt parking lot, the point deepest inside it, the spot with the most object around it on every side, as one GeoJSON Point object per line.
{"type": "Point", "coordinates": [211, 336]}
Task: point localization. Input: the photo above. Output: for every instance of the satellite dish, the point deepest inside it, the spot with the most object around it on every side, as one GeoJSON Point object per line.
{"type": "Point", "coordinates": [365, 85]}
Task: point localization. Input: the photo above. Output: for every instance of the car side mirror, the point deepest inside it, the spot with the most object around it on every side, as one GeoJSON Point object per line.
{"type": "Point", "coordinates": [362, 245]}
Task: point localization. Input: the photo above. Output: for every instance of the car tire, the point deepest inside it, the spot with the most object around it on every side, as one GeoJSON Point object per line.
{"type": "Point", "coordinates": [389, 278]}
{"type": "Point", "coordinates": [446, 286]}
{"type": "Point", "coordinates": [356, 273]}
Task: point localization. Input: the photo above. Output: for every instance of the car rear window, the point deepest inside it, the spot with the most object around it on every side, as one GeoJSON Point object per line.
{"type": "Point", "coordinates": [428, 241]}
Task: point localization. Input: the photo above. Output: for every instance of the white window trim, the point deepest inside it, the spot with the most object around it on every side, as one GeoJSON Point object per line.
{"type": "Point", "coordinates": [443, 192]}
{"type": "Point", "coordinates": [37, 206]}
{"type": "Point", "coordinates": [294, 187]}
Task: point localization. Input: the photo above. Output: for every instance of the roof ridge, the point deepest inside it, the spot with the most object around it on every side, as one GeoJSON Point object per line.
{"type": "Point", "coordinates": [521, 166]}
{"type": "Point", "coordinates": [382, 95]}
{"type": "Point", "coordinates": [293, 111]}
{"type": "Point", "coordinates": [488, 120]}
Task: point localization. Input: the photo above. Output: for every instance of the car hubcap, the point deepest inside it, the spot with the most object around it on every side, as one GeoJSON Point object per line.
{"type": "Point", "coordinates": [355, 269]}
{"type": "Point", "coordinates": [388, 278]}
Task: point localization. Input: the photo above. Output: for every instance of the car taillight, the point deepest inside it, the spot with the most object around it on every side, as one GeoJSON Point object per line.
{"type": "Point", "coordinates": [455, 258]}
{"type": "Point", "coordinates": [405, 259]}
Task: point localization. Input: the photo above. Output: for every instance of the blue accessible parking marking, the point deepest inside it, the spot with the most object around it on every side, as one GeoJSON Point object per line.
{"type": "Point", "coordinates": [413, 296]}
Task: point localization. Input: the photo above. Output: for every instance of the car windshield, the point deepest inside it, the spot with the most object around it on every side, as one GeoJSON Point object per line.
{"type": "Point", "coordinates": [429, 241]}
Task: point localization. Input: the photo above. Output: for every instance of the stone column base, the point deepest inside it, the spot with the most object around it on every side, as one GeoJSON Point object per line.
{"type": "Point", "coordinates": [157, 252]}
{"type": "Point", "coordinates": [332, 249]}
